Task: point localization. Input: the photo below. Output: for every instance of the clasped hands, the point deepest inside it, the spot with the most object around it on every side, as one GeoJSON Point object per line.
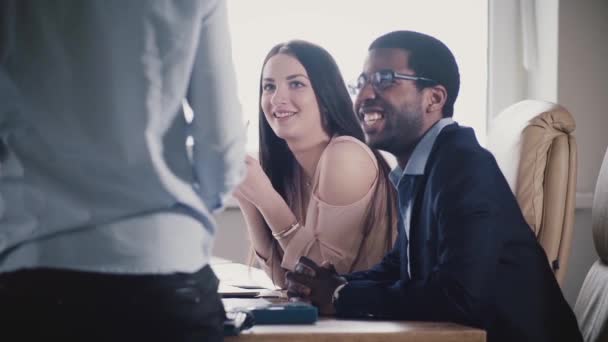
{"type": "Point", "coordinates": [314, 283]}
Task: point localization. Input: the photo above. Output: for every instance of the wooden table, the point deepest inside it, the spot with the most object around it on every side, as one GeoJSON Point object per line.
{"type": "Point", "coordinates": [332, 329]}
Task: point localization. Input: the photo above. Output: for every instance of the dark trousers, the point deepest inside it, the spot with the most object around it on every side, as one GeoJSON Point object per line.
{"type": "Point", "coordinates": [85, 306]}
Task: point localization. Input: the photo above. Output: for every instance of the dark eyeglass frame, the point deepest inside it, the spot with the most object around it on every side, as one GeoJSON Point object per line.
{"type": "Point", "coordinates": [382, 79]}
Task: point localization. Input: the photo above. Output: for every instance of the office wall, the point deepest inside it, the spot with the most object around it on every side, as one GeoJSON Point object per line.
{"type": "Point", "coordinates": [582, 89]}
{"type": "Point", "coordinates": [231, 240]}
{"type": "Point", "coordinates": [522, 52]}
{"type": "Point", "coordinates": [582, 257]}
{"type": "Point", "coordinates": [583, 81]}
{"type": "Point", "coordinates": [232, 243]}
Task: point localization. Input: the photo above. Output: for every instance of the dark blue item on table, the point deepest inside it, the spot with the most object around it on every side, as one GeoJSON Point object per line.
{"type": "Point", "coordinates": [285, 313]}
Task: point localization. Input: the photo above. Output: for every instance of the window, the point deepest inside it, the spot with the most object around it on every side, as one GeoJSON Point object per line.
{"type": "Point", "coordinates": [346, 28]}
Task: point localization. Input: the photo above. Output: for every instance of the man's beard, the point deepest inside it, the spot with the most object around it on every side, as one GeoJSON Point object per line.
{"type": "Point", "coordinates": [401, 130]}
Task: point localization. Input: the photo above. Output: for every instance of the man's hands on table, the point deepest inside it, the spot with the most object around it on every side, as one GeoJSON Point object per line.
{"type": "Point", "coordinates": [314, 283]}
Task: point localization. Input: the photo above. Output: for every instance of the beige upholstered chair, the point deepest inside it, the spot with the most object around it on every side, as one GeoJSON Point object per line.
{"type": "Point", "coordinates": [591, 307]}
{"type": "Point", "coordinates": [532, 143]}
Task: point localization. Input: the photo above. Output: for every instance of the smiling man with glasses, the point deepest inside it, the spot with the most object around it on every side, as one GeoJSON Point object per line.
{"type": "Point", "coordinates": [464, 252]}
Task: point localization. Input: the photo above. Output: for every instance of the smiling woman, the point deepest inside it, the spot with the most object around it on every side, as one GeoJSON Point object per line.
{"type": "Point", "coordinates": [346, 28]}
{"type": "Point", "coordinates": [289, 102]}
{"type": "Point", "coordinates": [318, 190]}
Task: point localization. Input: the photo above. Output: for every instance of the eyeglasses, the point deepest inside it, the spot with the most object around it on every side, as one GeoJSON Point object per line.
{"type": "Point", "coordinates": [383, 79]}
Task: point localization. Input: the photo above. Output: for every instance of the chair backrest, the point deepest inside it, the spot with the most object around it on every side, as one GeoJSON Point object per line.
{"type": "Point", "coordinates": [591, 306]}
{"type": "Point", "coordinates": [533, 145]}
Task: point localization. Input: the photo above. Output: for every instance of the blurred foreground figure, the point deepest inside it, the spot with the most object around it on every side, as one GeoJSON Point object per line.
{"type": "Point", "coordinates": [105, 218]}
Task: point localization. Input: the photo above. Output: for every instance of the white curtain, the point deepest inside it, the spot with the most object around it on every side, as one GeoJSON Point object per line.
{"type": "Point", "coordinates": [523, 52]}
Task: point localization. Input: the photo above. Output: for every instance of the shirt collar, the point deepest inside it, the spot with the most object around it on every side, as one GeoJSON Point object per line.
{"type": "Point", "coordinates": [417, 162]}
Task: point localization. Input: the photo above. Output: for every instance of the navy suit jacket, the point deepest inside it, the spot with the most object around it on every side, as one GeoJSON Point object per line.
{"type": "Point", "coordinates": [473, 258]}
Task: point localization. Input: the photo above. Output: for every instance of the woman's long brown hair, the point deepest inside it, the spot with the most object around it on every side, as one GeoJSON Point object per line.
{"type": "Point", "coordinates": [338, 119]}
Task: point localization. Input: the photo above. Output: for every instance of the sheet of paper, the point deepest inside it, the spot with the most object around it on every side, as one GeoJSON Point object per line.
{"type": "Point", "coordinates": [246, 277]}
{"type": "Point", "coordinates": [229, 291]}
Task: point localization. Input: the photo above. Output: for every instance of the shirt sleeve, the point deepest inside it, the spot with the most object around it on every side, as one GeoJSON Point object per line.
{"type": "Point", "coordinates": [217, 126]}
{"type": "Point", "coordinates": [334, 232]}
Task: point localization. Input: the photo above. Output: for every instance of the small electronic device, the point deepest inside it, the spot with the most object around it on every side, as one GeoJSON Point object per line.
{"type": "Point", "coordinates": [285, 313]}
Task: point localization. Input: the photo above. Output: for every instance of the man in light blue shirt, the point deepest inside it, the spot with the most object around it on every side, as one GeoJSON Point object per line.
{"type": "Point", "coordinates": [105, 214]}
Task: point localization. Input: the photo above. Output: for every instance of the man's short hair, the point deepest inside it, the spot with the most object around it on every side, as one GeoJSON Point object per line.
{"type": "Point", "coordinates": [428, 57]}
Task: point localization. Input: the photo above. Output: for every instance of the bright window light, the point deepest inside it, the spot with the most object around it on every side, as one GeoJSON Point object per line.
{"type": "Point", "coordinates": [346, 28]}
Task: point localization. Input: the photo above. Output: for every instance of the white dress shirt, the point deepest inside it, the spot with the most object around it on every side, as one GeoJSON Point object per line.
{"type": "Point", "coordinates": [97, 176]}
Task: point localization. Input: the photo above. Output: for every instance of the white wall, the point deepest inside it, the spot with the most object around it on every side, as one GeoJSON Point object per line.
{"type": "Point", "coordinates": [583, 90]}
{"type": "Point", "coordinates": [505, 56]}
{"type": "Point", "coordinates": [582, 256]}
{"type": "Point", "coordinates": [583, 81]}
{"type": "Point", "coordinates": [543, 56]}
{"type": "Point", "coordinates": [232, 240]}
{"type": "Point", "coordinates": [523, 52]}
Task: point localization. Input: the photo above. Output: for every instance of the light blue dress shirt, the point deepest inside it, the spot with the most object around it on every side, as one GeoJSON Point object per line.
{"type": "Point", "coordinates": [404, 180]}
{"type": "Point", "coordinates": [98, 177]}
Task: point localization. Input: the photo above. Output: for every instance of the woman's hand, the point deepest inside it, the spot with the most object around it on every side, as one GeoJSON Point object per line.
{"type": "Point", "coordinates": [256, 192]}
{"type": "Point", "coordinates": [256, 185]}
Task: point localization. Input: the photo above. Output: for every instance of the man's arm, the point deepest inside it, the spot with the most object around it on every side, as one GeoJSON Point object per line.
{"type": "Point", "coordinates": [217, 127]}
{"type": "Point", "coordinates": [386, 270]}
{"type": "Point", "coordinates": [468, 209]}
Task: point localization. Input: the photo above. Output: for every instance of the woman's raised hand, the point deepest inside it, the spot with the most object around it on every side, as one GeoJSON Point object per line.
{"type": "Point", "coordinates": [256, 185]}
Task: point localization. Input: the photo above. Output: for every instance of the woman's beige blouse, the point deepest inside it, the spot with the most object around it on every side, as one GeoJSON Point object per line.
{"type": "Point", "coordinates": [346, 235]}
